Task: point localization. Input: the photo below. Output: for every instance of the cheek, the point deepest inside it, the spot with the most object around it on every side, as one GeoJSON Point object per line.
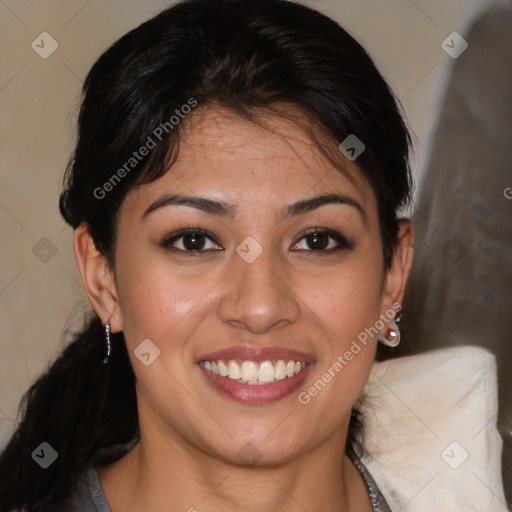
{"type": "Point", "coordinates": [158, 301]}
{"type": "Point", "coordinates": [346, 300]}
{"type": "Point", "coordinates": [346, 303]}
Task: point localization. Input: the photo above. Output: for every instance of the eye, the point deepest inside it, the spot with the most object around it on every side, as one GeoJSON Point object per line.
{"type": "Point", "coordinates": [322, 240]}
{"type": "Point", "coordinates": [191, 240]}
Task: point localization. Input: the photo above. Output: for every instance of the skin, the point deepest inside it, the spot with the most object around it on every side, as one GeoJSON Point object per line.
{"type": "Point", "coordinates": [290, 296]}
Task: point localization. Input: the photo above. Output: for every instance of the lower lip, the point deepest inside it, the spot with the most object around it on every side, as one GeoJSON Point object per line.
{"type": "Point", "coordinates": [257, 393]}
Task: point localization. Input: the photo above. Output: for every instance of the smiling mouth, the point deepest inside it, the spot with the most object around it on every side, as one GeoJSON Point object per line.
{"type": "Point", "coordinates": [251, 372]}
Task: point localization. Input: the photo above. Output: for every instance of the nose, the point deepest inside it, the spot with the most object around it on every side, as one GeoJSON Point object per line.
{"type": "Point", "coordinates": [258, 297]}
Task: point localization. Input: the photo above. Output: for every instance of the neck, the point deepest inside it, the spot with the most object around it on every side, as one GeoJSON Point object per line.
{"type": "Point", "coordinates": [164, 471]}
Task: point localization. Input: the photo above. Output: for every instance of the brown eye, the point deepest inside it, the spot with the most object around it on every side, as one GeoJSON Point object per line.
{"type": "Point", "coordinates": [191, 240]}
{"type": "Point", "coordinates": [321, 240]}
{"type": "Point", "coordinates": [317, 241]}
{"type": "Point", "coordinates": [194, 241]}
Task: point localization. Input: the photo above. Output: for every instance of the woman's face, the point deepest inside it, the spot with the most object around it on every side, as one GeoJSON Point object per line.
{"type": "Point", "coordinates": [282, 261]}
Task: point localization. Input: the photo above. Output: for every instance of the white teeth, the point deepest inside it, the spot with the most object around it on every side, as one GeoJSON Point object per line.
{"type": "Point", "coordinates": [250, 372]}
{"type": "Point", "coordinates": [266, 372]}
{"type": "Point", "coordinates": [233, 370]}
{"type": "Point", "coordinates": [281, 369]}
{"type": "Point", "coordinates": [223, 369]}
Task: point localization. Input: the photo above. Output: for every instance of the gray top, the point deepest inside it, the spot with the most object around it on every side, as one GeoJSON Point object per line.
{"type": "Point", "coordinates": [88, 495]}
{"type": "Point", "coordinates": [377, 499]}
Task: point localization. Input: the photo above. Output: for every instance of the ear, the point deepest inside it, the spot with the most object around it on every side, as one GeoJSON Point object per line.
{"type": "Point", "coordinates": [398, 273]}
{"type": "Point", "coordinates": [97, 277]}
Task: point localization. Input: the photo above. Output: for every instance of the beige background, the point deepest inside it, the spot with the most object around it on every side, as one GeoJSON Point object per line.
{"type": "Point", "coordinates": [38, 104]}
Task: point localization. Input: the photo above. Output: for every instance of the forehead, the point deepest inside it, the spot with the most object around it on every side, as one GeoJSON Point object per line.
{"type": "Point", "coordinates": [270, 158]}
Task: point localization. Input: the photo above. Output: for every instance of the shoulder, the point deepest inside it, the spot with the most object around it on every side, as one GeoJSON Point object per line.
{"type": "Point", "coordinates": [84, 494]}
{"type": "Point", "coordinates": [88, 495]}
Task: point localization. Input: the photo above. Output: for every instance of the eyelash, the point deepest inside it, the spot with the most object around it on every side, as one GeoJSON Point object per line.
{"type": "Point", "coordinates": [343, 243]}
{"type": "Point", "coordinates": [167, 243]}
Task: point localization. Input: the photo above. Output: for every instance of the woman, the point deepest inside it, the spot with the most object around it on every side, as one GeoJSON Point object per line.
{"type": "Point", "coordinates": [234, 194]}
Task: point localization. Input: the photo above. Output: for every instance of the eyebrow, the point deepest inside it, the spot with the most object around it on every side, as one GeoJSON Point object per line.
{"type": "Point", "coordinates": [312, 203]}
{"type": "Point", "coordinates": [224, 209]}
{"type": "Point", "coordinates": [218, 208]}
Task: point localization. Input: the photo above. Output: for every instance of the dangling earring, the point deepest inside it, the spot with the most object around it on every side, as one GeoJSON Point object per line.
{"type": "Point", "coordinates": [107, 339]}
{"type": "Point", "coordinates": [392, 338]}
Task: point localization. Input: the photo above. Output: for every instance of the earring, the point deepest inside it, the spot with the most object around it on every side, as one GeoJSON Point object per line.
{"type": "Point", "coordinates": [107, 339]}
{"type": "Point", "coordinates": [392, 338]}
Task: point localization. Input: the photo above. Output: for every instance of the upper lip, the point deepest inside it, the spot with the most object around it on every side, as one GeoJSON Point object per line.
{"type": "Point", "coordinates": [256, 354]}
